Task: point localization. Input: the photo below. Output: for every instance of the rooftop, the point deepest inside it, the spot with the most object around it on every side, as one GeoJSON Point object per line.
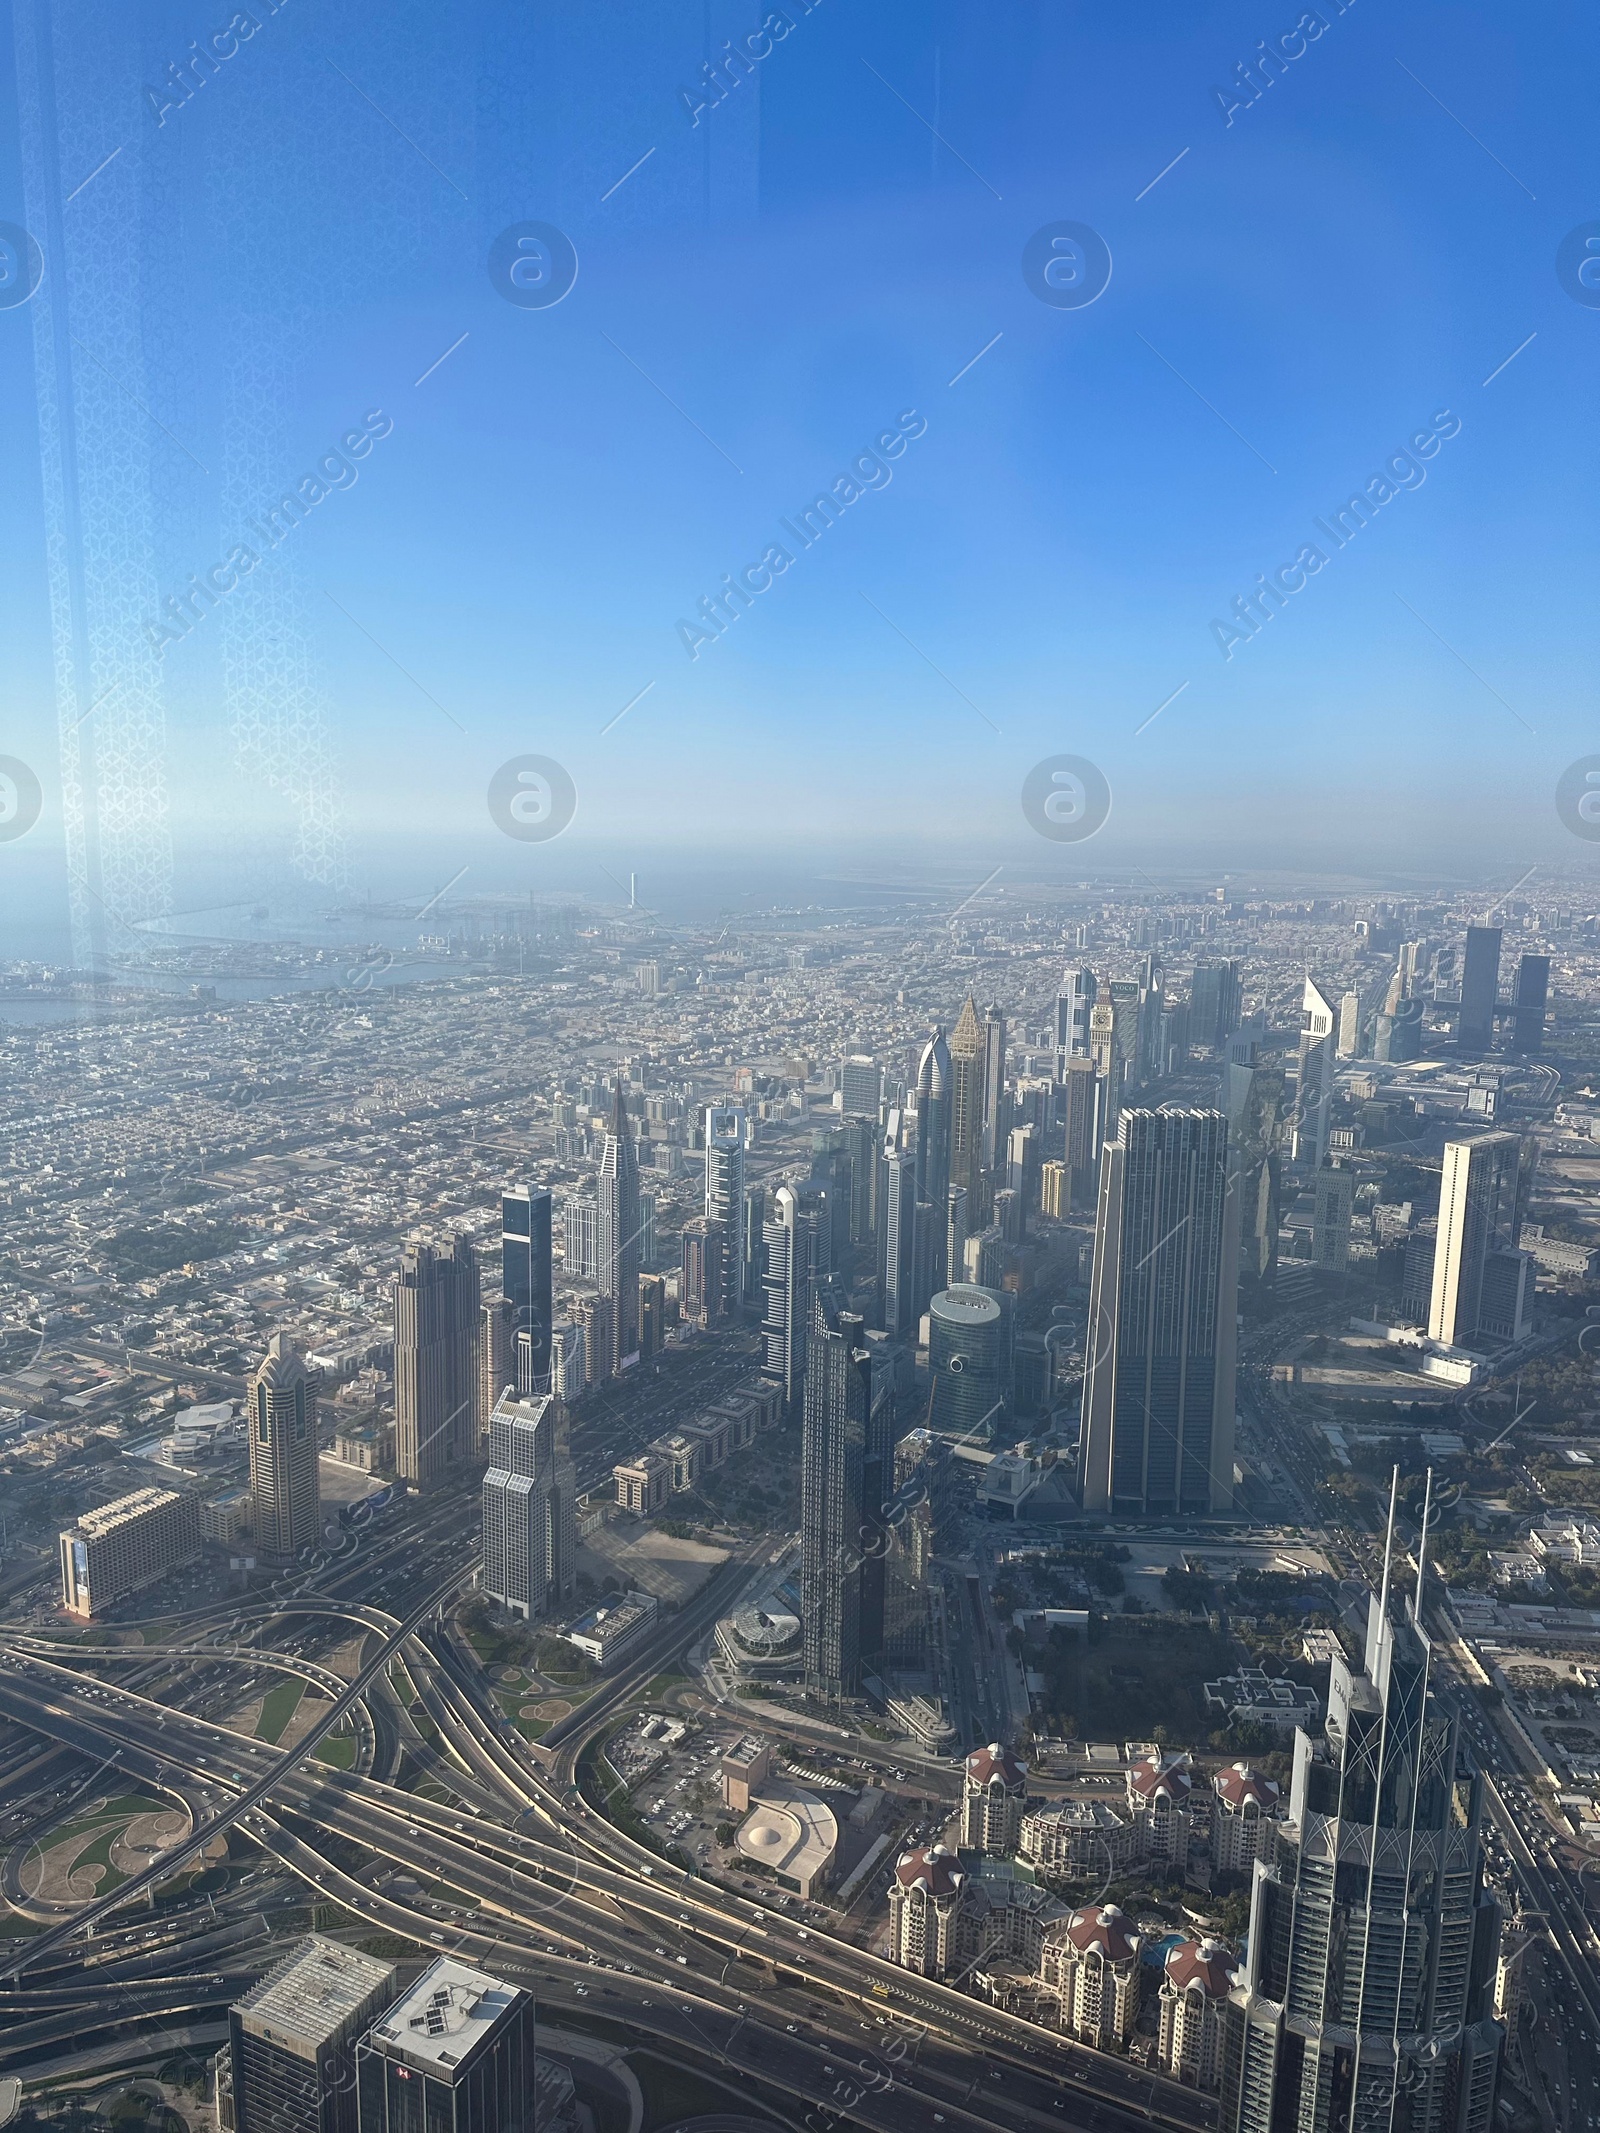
{"type": "Point", "coordinates": [93, 1525]}
{"type": "Point", "coordinates": [446, 2014]}
{"type": "Point", "coordinates": [314, 1991]}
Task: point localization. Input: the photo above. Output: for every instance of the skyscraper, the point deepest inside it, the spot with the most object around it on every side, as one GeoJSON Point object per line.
{"type": "Point", "coordinates": [1078, 1111]}
{"type": "Point", "coordinates": [292, 2039]}
{"type": "Point", "coordinates": [436, 1313]}
{"type": "Point", "coordinates": [1481, 1281]}
{"type": "Point", "coordinates": [497, 1358]}
{"type": "Point", "coordinates": [861, 1087]}
{"type": "Point", "coordinates": [1529, 1001]}
{"type": "Point", "coordinates": [530, 1493]}
{"type": "Point", "coordinates": [724, 1200]}
{"type": "Point", "coordinates": [843, 1483]}
{"type": "Point", "coordinates": [796, 1252]}
{"type": "Point", "coordinates": [1124, 997]}
{"type": "Point", "coordinates": [968, 1081]}
{"type": "Point", "coordinates": [751, 1243]}
{"type": "Point", "coordinates": [933, 1138]}
{"type": "Point", "coordinates": [580, 1223]}
{"type": "Point", "coordinates": [1313, 1103]}
{"type": "Point", "coordinates": [969, 1361]}
{"type": "Point", "coordinates": [1333, 1199]}
{"type": "Point", "coordinates": [1366, 1994]}
{"type": "Point", "coordinates": [897, 1213]}
{"type": "Point", "coordinates": [996, 1120]}
{"type": "Point", "coordinates": [281, 1415]}
{"type": "Point", "coordinates": [525, 1267]}
{"type": "Point", "coordinates": [1073, 1002]}
{"type": "Point", "coordinates": [702, 1286]}
{"type": "Point", "coordinates": [617, 1233]}
{"type": "Point", "coordinates": [454, 2055]}
{"type": "Point", "coordinates": [1215, 1001]}
{"type": "Point", "coordinates": [1480, 988]}
{"type": "Point", "coordinates": [1158, 1392]}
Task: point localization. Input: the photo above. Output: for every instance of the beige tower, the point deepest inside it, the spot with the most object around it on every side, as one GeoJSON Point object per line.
{"type": "Point", "coordinates": [281, 1415]}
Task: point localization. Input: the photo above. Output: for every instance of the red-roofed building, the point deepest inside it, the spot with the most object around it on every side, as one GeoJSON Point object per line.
{"type": "Point", "coordinates": [992, 1801]}
{"type": "Point", "coordinates": [1244, 1806]}
{"type": "Point", "coordinates": [1090, 1963]}
{"type": "Point", "coordinates": [1158, 1803]}
{"type": "Point", "coordinates": [1196, 1980]}
{"type": "Point", "coordinates": [924, 1909]}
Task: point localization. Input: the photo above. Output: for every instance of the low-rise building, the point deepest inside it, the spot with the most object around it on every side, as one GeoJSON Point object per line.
{"type": "Point", "coordinates": [608, 1634]}
{"type": "Point", "coordinates": [1244, 1805]}
{"type": "Point", "coordinates": [1566, 1540]}
{"type": "Point", "coordinates": [125, 1546]}
{"type": "Point", "coordinates": [1196, 1979]}
{"type": "Point", "coordinates": [643, 1484]}
{"type": "Point", "coordinates": [226, 1518]}
{"type": "Point", "coordinates": [1253, 1697]}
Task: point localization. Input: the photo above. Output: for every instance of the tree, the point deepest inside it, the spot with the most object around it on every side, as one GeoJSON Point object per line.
{"type": "Point", "coordinates": [724, 1834]}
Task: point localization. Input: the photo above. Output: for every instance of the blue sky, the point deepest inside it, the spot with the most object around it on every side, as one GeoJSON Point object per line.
{"type": "Point", "coordinates": [1299, 293]}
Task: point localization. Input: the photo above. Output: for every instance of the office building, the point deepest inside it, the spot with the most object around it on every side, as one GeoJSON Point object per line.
{"type": "Point", "coordinates": [497, 1353]}
{"type": "Point", "coordinates": [1313, 1102]}
{"type": "Point", "coordinates": [726, 1134]}
{"type": "Point", "coordinates": [969, 1361]}
{"type": "Point", "coordinates": [652, 1315]}
{"type": "Point", "coordinates": [126, 1545]}
{"type": "Point", "coordinates": [436, 1312]}
{"type": "Point", "coordinates": [955, 1231]}
{"type": "Point", "coordinates": [1055, 1191]}
{"type": "Point", "coordinates": [751, 1244]}
{"type": "Point", "coordinates": [1024, 1159]}
{"type": "Point", "coordinates": [861, 1088]}
{"type": "Point", "coordinates": [933, 1142]}
{"type": "Point", "coordinates": [1073, 1002]}
{"type": "Point", "coordinates": [617, 1234]}
{"type": "Point", "coordinates": [1256, 1121]}
{"type": "Point", "coordinates": [996, 1096]}
{"type": "Point", "coordinates": [897, 1214]}
{"type": "Point", "coordinates": [613, 1632]}
{"type": "Point", "coordinates": [525, 1269]}
{"type": "Point", "coordinates": [285, 1484]}
{"type": "Point", "coordinates": [580, 1235]}
{"type": "Point", "coordinates": [702, 1290]}
{"type": "Point", "coordinates": [454, 2055]}
{"type": "Point", "coordinates": [1108, 1067]}
{"type": "Point", "coordinates": [1348, 1045]}
{"type": "Point", "coordinates": [1080, 1108]}
{"type": "Point", "coordinates": [1479, 1275]}
{"type": "Point", "coordinates": [530, 1495]}
{"type": "Point", "coordinates": [1126, 998]}
{"type": "Point", "coordinates": [1480, 990]}
{"type": "Point", "coordinates": [292, 2039]}
{"type": "Point", "coordinates": [843, 1481]}
{"type": "Point", "coordinates": [1528, 1002]}
{"type": "Point", "coordinates": [1216, 1002]}
{"type": "Point", "coordinates": [643, 1484]}
{"type": "Point", "coordinates": [1158, 1394]}
{"type": "Point", "coordinates": [1333, 1202]}
{"type": "Point", "coordinates": [569, 1376]}
{"type": "Point", "coordinates": [968, 1087]}
{"type": "Point", "coordinates": [862, 1138]}
{"type": "Point", "coordinates": [597, 1314]}
{"type": "Point", "coordinates": [1365, 1999]}
{"type": "Point", "coordinates": [796, 1251]}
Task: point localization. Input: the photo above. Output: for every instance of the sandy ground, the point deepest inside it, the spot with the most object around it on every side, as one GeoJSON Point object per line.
{"type": "Point", "coordinates": [650, 1561]}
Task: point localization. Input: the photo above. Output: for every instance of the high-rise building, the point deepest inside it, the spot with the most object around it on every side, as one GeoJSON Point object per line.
{"type": "Point", "coordinates": [568, 1375]}
{"type": "Point", "coordinates": [1073, 1002]}
{"type": "Point", "coordinates": [1348, 1043]}
{"type": "Point", "coordinates": [1529, 1002]}
{"type": "Point", "coordinates": [580, 1233]}
{"type": "Point", "coordinates": [993, 1794]}
{"type": "Point", "coordinates": [1125, 997]}
{"type": "Point", "coordinates": [647, 1232]}
{"type": "Point", "coordinates": [436, 1313]}
{"type": "Point", "coordinates": [702, 1291]}
{"type": "Point", "coordinates": [844, 1480]}
{"type": "Point", "coordinates": [292, 2039]}
{"type": "Point", "coordinates": [1216, 1000]}
{"type": "Point", "coordinates": [750, 1243]}
{"type": "Point", "coordinates": [861, 1087]}
{"type": "Point", "coordinates": [862, 1142]}
{"type": "Point", "coordinates": [1150, 1061]}
{"type": "Point", "coordinates": [617, 1233]}
{"type": "Point", "coordinates": [121, 1547]}
{"type": "Point", "coordinates": [1158, 1392]}
{"type": "Point", "coordinates": [1256, 1108]}
{"type": "Point", "coordinates": [996, 1119]}
{"type": "Point", "coordinates": [1480, 1277]}
{"type": "Point", "coordinates": [724, 1201]}
{"type": "Point", "coordinates": [933, 1138]}
{"type": "Point", "coordinates": [599, 1317]}
{"type": "Point", "coordinates": [1079, 1107]}
{"type": "Point", "coordinates": [968, 1084]}
{"type": "Point", "coordinates": [525, 1268]}
{"type": "Point", "coordinates": [1366, 1994]}
{"type": "Point", "coordinates": [1480, 989]}
{"type": "Point", "coordinates": [530, 1494]}
{"type": "Point", "coordinates": [1024, 1155]}
{"type": "Point", "coordinates": [796, 1252]}
{"type": "Point", "coordinates": [1055, 1191]}
{"type": "Point", "coordinates": [1313, 1103]}
{"type": "Point", "coordinates": [969, 1361]}
{"type": "Point", "coordinates": [285, 1483]}
{"type": "Point", "coordinates": [497, 1358]}
{"type": "Point", "coordinates": [456, 2054]}
{"type": "Point", "coordinates": [1333, 1202]}
{"type": "Point", "coordinates": [957, 1209]}
{"type": "Point", "coordinates": [652, 1315]}
{"type": "Point", "coordinates": [1107, 1066]}
{"type": "Point", "coordinates": [897, 1213]}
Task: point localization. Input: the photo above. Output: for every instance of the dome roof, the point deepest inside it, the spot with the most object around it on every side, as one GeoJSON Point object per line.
{"type": "Point", "coordinates": [1204, 1964]}
{"type": "Point", "coordinates": [934, 1868]}
{"type": "Point", "coordinates": [933, 1073]}
{"type": "Point", "coordinates": [1238, 1783]}
{"type": "Point", "coordinates": [984, 1764]}
{"type": "Point", "coordinates": [1171, 1776]}
{"type": "Point", "coordinates": [1106, 1928]}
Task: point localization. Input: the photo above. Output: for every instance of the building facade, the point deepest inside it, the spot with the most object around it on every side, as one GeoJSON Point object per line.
{"type": "Point", "coordinates": [842, 1491]}
{"type": "Point", "coordinates": [126, 1545]}
{"type": "Point", "coordinates": [1089, 1963]}
{"type": "Point", "coordinates": [437, 1308]}
{"type": "Point", "coordinates": [456, 2054]}
{"type": "Point", "coordinates": [285, 1483]}
{"type": "Point", "coordinates": [994, 1790]}
{"type": "Point", "coordinates": [292, 2039]}
{"type": "Point", "coordinates": [530, 1492]}
{"type": "Point", "coordinates": [1244, 1811]}
{"type": "Point", "coordinates": [1196, 1978]}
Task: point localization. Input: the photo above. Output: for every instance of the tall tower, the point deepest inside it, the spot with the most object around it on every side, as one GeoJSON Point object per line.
{"type": "Point", "coordinates": [617, 1233]}
{"type": "Point", "coordinates": [1366, 1995]}
{"type": "Point", "coordinates": [996, 1123]}
{"type": "Point", "coordinates": [525, 1269]}
{"type": "Point", "coordinates": [284, 1484]}
{"type": "Point", "coordinates": [796, 1252]}
{"type": "Point", "coordinates": [436, 1313]}
{"type": "Point", "coordinates": [1480, 988]}
{"type": "Point", "coordinates": [497, 1359]}
{"type": "Point", "coordinates": [1529, 1000]}
{"type": "Point", "coordinates": [968, 1058]}
{"type": "Point", "coordinates": [724, 1201]}
{"type": "Point", "coordinates": [530, 1494]}
{"type": "Point", "coordinates": [897, 1214]}
{"type": "Point", "coordinates": [1073, 1002]}
{"type": "Point", "coordinates": [1158, 1393]}
{"type": "Point", "coordinates": [1314, 1094]}
{"type": "Point", "coordinates": [933, 1136]}
{"type": "Point", "coordinates": [836, 1494]}
{"type": "Point", "coordinates": [1256, 1103]}
{"type": "Point", "coordinates": [1077, 1101]}
{"type": "Point", "coordinates": [1481, 1281]}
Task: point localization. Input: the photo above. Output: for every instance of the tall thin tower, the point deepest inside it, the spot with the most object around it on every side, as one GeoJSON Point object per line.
{"type": "Point", "coordinates": [617, 1198]}
{"type": "Point", "coordinates": [835, 1497]}
{"type": "Point", "coordinates": [437, 1314]}
{"type": "Point", "coordinates": [281, 1412]}
{"type": "Point", "coordinates": [724, 1201]}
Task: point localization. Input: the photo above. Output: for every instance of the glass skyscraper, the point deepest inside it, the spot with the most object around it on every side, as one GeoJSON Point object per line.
{"type": "Point", "coordinates": [525, 1269]}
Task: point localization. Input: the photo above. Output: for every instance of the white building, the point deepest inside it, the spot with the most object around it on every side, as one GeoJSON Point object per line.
{"type": "Point", "coordinates": [1158, 1806]}
{"type": "Point", "coordinates": [530, 1530]}
{"type": "Point", "coordinates": [1196, 1978]}
{"type": "Point", "coordinates": [992, 1798]}
{"type": "Point", "coordinates": [1090, 1963]}
{"type": "Point", "coordinates": [1244, 1805]}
